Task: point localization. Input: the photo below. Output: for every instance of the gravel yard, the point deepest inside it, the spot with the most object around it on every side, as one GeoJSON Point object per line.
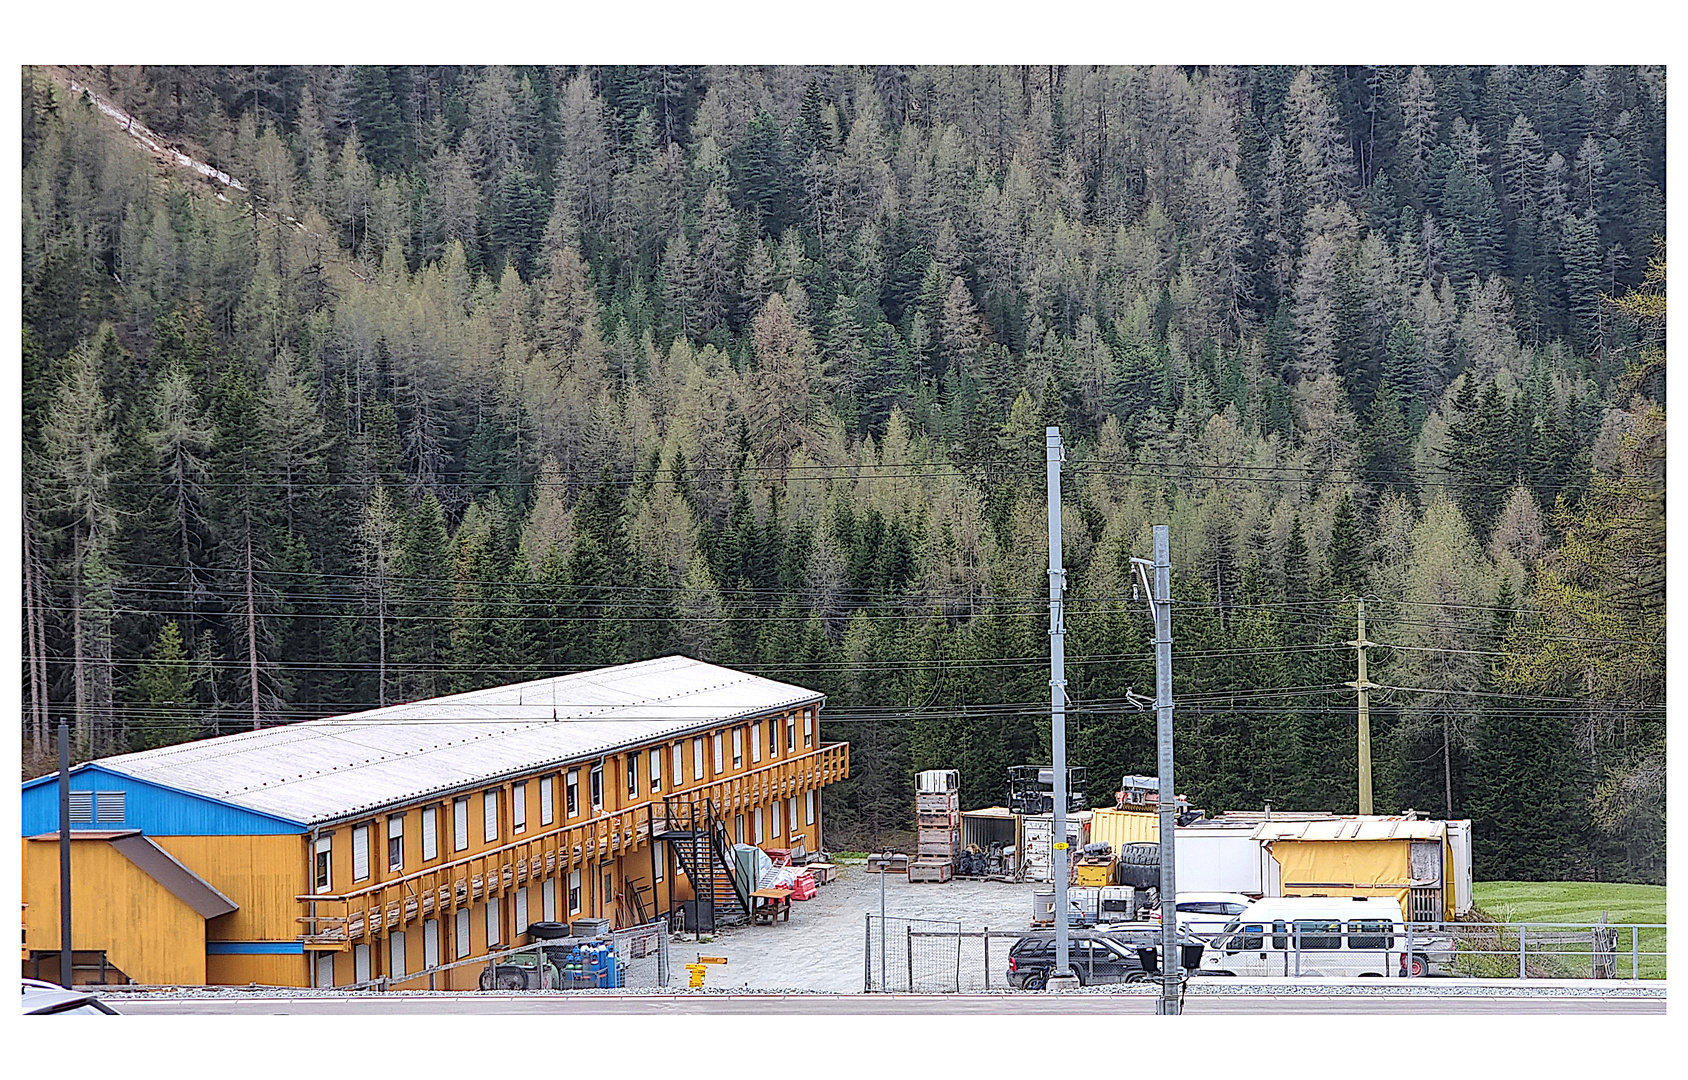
{"type": "Point", "coordinates": [821, 948]}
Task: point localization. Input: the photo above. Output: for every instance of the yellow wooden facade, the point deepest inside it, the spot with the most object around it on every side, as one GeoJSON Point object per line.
{"type": "Point", "coordinates": [148, 933]}
{"type": "Point", "coordinates": [772, 760]}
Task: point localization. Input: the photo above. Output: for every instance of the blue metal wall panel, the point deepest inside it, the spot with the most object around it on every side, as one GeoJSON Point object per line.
{"type": "Point", "coordinates": [254, 948]}
{"type": "Point", "coordinates": [153, 808]}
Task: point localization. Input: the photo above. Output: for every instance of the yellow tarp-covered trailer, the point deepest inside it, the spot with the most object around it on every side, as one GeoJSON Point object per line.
{"type": "Point", "coordinates": [1402, 858]}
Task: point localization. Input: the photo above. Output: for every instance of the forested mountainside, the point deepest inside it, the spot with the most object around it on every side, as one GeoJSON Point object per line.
{"type": "Point", "coordinates": [485, 374]}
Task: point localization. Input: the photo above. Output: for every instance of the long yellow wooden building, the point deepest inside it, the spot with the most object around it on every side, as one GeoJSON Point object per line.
{"type": "Point", "coordinates": [398, 841]}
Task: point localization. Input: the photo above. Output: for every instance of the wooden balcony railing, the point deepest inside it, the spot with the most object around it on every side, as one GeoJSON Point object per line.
{"type": "Point", "coordinates": [336, 921]}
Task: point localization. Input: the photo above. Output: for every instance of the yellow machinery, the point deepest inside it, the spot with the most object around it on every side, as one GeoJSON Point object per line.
{"type": "Point", "coordinates": [1094, 870]}
{"type": "Point", "coordinates": [701, 968]}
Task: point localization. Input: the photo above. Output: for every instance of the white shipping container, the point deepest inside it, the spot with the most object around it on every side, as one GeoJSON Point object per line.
{"type": "Point", "coordinates": [1219, 860]}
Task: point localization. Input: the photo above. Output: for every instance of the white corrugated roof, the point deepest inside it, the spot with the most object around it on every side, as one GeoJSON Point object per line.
{"type": "Point", "coordinates": [322, 770]}
{"type": "Point", "coordinates": [1353, 828]}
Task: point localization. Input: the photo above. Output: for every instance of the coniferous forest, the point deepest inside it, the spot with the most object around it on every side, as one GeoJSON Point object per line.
{"type": "Point", "coordinates": [478, 375]}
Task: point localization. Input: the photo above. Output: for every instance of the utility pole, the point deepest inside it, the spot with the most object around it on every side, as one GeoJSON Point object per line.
{"type": "Point", "coordinates": [1362, 686]}
{"type": "Point", "coordinates": [65, 954]}
{"type": "Point", "coordinates": [1062, 973]}
{"type": "Point", "coordinates": [1172, 970]}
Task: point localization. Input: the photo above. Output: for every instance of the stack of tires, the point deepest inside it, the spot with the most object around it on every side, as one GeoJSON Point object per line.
{"type": "Point", "coordinates": [1139, 866]}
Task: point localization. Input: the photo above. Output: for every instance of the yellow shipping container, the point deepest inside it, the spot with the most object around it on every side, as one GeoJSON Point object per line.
{"type": "Point", "coordinates": [1121, 827]}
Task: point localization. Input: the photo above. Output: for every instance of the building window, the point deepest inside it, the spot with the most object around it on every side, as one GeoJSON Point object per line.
{"type": "Point", "coordinates": [431, 943]}
{"type": "Point", "coordinates": [460, 822]}
{"type": "Point", "coordinates": [755, 742]}
{"type": "Point", "coordinates": [809, 808]}
{"type": "Point", "coordinates": [790, 734]}
{"type": "Point", "coordinates": [675, 775]}
{"type": "Point", "coordinates": [758, 820]}
{"type": "Point", "coordinates": [108, 806]}
{"type": "Point", "coordinates": [633, 775]}
{"type": "Point", "coordinates": [791, 814]}
{"type": "Point", "coordinates": [574, 892]}
{"type": "Point", "coordinates": [773, 738]}
{"type": "Point", "coordinates": [571, 794]}
{"type": "Point", "coordinates": [430, 833]}
{"type": "Point", "coordinates": [660, 858]}
{"type": "Point", "coordinates": [607, 897]}
{"type": "Point", "coordinates": [738, 748]}
{"type": "Point", "coordinates": [718, 769]}
{"type": "Point", "coordinates": [808, 729]}
{"type": "Point", "coordinates": [360, 853]}
{"type": "Point", "coordinates": [324, 864]}
{"type": "Point", "coordinates": [597, 787]}
{"type": "Point", "coordinates": [521, 910]}
{"type": "Point", "coordinates": [776, 817]}
{"type": "Point", "coordinates": [656, 769]}
{"type": "Point", "coordinates": [360, 963]}
{"type": "Point", "coordinates": [395, 955]}
{"type": "Point", "coordinates": [489, 803]}
{"type": "Point", "coordinates": [395, 842]}
{"type": "Point", "coordinates": [518, 807]}
{"type": "Point", "coordinates": [547, 800]}
{"type": "Point", "coordinates": [325, 969]}
{"type": "Point", "coordinates": [548, 899]}
{"type": "Point", "coordinates": [494, 922]}
{"type": "Point", "coordinates": [81, 812]}
{"type": "Point", "coordinates": [460, 934]}
{"type": "Point", "coordinates": [738, 828]}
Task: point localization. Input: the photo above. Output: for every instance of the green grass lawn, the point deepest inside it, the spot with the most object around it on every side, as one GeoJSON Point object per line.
{"type": "Point", "coordinates": [1581, 902]}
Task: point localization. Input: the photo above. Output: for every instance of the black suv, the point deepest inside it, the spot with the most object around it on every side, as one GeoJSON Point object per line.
{"type": "Point", "coordinates": [1096, 957]}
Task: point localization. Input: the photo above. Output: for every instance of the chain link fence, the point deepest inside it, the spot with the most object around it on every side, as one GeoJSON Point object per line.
{"type": "Point", "coordinates": [935, 956]}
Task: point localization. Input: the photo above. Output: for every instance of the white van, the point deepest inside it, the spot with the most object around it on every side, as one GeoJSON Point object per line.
{"type": "Point", "coordinates": [1328, 936]}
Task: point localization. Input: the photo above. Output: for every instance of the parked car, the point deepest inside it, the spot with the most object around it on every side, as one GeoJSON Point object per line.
{"type": "Point", "coordinates": [1095, 957]}
{"type": "Point", "coordinates": [42, 998]}
{"type": "Point", "coordinates": [1332, 937]}
{"type": "Point", "coordinates": [1203, 914]}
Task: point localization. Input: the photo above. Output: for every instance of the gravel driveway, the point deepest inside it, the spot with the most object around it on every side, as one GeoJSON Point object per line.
{"type": "Point", "coordinates": [822, 947]}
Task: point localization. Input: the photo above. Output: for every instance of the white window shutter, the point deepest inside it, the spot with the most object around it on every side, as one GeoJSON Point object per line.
{"type": "Point", "coordinates": [431, 943]}
{"type": "Point", "coordinates": [809, 808]}
{"type": "Point", "coordinates": [490, 801]}
{"type": "Point", "coordinates": [395, 955]}
{"type": "Point", "coordinates": [776, 817]}
{"type": "Point", "coordinates": [494, 932]}
{"type": "Point", "coordinates": [360, 963]}
{"type": "Point", "coordinates": [548, 900]}
{"type": "Point", "coordinates": [430, 833]}
{"type": "Point", "coordinates": [521, 910]}
{"type": "Point", "coordinates": [547, 800]}
{"type": "Point", "coordinates": [360, 852]}
{"type": "Point", "coordinates": [460, 821]}
{"type": "Point", "coordinates": [461, 934]}
{"type": "Point", "coordinates": [325, 969]}
{"type": "Point", "coordinates": [518, 806]}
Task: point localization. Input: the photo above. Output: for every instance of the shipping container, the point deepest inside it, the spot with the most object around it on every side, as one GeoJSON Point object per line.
{"type": "Point", "coordinates": [1219, 860]}
{"type": "Point", "coordinates": [1039, 832]}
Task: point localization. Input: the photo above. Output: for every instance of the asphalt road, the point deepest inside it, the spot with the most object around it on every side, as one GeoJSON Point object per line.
{"type": "Point", "coordinates": [859, 1004]}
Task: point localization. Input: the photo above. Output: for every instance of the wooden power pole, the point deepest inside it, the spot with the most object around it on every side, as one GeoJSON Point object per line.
{"type": "Point", "coordinates": [1362, 686]}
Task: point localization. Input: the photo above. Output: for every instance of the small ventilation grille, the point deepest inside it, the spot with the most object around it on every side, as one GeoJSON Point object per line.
{"type": "Point", "coordinates": [81, 807]}
{"type": "Point", "coordinates": [110, 806]}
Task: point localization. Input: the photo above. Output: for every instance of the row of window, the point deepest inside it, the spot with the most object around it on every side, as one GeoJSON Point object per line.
{"type": "Point", "coordinates": [490, 799]}
{"type": "Point", "coordinates": [1316, 934]}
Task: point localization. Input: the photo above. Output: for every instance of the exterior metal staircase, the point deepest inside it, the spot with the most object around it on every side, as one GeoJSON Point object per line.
{"type": "Point", "coordinates": [699, 838]}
